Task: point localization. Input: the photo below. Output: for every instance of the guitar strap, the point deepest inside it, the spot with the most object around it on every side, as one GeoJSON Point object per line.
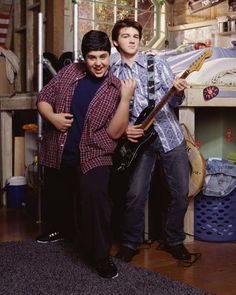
{"type": "Point", "coordinates": [151, 82]}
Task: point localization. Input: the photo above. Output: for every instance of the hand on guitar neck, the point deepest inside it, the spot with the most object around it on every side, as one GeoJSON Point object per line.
{"type": "Point", "coordinates": [180, 84]}
{"type": "Point", "coordinates": [134, 132]}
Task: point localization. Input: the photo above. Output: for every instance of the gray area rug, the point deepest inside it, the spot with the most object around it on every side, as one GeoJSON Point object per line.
{"type": "Point", "coordinates": [29, 268]}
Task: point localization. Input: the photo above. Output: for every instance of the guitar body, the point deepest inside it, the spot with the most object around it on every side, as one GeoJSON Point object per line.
{"type": "Point", "coordinates": [127, 151]}
{"type": "Point", "coordinates": [144, 114]}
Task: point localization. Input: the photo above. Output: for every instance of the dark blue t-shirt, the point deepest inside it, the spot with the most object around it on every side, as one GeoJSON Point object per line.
{"type": "Point", "coordinates": [83, 95]}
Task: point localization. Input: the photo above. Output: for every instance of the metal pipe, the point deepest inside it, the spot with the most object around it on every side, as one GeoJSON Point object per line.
{"type": "Point", "coordinates": [40, 122]}
{"type": "Point", "coordinates": [75, 31]}
{"type": "Point", "coordinates": [40, 66]}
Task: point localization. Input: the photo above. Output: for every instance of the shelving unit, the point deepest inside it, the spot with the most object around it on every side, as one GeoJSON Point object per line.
{"type": "Point", "coordinates": [25, 46]}
{"type": "Point", "coordinates": [194, 99]}
{"type": "Point", "coordinates": [7, 106]}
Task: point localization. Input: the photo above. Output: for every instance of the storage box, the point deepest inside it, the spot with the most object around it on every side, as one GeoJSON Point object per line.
{"type": "Point", "coordinates": [6, 88]}
{"type": "Point", "coordinates": [215, 218]}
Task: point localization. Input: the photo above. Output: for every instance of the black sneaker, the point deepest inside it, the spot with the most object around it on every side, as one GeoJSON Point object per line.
{"type": "Point", "coordinates": [126, 254]}
{"type": "Point", "coordinates": [177, 251]}
{"type": "Point", "coordinates": [51, 237]}
{"type": "Point", "coordinates": [106, 268]}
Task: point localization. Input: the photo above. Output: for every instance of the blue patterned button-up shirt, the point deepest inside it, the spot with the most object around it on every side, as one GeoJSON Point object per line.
{"type": "Point", "coordinates": [165, 123]}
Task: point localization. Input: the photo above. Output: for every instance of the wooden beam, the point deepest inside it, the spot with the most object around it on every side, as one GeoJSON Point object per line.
{"type": "Point", "coordinates": [19, 47]}
{"type": "Point", "coordinates": [55, 26]}
{"type": "Point", "coordinates": [22, 101]}
{"type": "Point", "coordinates": [19, 156]}
{"type": "Point", "coordinates": [6, 150]}
{"type": "Point", "coordinates": [30, 25]}
{"type": "Point", "coordinates": [191, 26]}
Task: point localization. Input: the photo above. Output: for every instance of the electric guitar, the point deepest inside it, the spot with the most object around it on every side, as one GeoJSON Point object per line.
{"type": "Point", "coordinates": [126, 150]}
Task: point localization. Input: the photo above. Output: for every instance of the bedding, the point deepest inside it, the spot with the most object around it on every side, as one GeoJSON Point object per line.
{"type": "Point", "coordinates": [219, 69]}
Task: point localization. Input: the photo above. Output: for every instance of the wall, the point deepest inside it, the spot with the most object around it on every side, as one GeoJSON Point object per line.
{"type": "Point", "coordinates": [179, 13]}
{"type": "Point", "coordinates": [184, 27]}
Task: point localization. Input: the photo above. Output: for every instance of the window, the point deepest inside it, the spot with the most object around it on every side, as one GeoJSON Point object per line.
{"type": "Point", "coordinates": [102, 14]}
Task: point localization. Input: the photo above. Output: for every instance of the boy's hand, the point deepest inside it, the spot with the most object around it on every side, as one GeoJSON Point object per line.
{"type": "Point", "coordinates": [133, 132]}
{"type": "Point", "coordinates": [180, 84]}
{"type": "Point", "coordinates": [127, 89]}
{"type": "Point", "coordinates": [62, 121]}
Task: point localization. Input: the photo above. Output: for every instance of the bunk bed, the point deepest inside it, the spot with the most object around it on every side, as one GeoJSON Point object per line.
{"type": "Point", "coordinates": [219, 71]}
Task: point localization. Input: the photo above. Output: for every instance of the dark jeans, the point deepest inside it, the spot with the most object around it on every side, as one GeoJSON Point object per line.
{"type": "Point", "coordinates": [94, 217]}
{"type": "Point", "coordinates": [59, 193]}
{"type": "Point", "coordinates": [92, 207]}
{"type": "Point", "coordinates": [176, 170]}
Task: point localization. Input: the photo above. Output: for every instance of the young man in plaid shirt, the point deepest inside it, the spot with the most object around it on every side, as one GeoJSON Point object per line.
{"type": "Point", "coordinates": [87, 109]}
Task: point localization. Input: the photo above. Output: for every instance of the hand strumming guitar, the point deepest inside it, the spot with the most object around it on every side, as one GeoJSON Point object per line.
{"type": "Point", "coordinates": [133, 132]}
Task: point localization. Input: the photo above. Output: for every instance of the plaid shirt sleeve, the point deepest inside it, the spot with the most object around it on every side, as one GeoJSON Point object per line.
{"type": "Point", "coordinates": [58, 93]}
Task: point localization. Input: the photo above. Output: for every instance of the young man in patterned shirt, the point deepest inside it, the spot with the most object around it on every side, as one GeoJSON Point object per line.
{"type": "Point", "coordinates": [87, 109]}
{"type": "Point", "coordinates": [169, 144]}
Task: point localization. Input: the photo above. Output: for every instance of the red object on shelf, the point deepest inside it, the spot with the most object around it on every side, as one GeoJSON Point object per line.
{"type": "Point", "coordinates": [229, 135]}
{"type": "Point", "coordinates": [198, 144]}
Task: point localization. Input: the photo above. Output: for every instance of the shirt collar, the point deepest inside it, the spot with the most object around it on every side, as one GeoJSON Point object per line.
{"type": "Point", "coordinates": [140, 59]}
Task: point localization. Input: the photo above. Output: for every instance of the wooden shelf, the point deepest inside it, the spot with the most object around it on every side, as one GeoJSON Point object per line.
{"type": "Point", "coordinates": [194, 97]}
{"type": "Point", "coordinates": [23, 101]}
{"type": "Point", "coordinates": [225, 33]}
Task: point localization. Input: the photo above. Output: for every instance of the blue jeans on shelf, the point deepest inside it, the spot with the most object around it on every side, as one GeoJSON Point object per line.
{"type": "Point", "coordinates": [176, 170]}
{"type": "Point", "coordinates": [220, 177]}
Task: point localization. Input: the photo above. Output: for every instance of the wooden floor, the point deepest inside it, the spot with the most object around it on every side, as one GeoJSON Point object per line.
{"type": "Point", "coordinates": [215, 271]}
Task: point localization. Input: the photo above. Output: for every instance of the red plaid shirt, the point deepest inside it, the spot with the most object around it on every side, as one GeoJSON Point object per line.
{"type": "Point", "coordinates": [96, 146]}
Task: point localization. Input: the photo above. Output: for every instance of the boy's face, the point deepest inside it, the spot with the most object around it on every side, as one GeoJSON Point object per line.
{"type": "Point", "coordinates": [97, 62]}
{"type": "Point", "coordinates": [128, 41]}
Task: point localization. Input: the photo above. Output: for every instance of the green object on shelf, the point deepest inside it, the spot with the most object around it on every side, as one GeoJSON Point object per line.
{"type": "Point", "coordinates": [231, 157]}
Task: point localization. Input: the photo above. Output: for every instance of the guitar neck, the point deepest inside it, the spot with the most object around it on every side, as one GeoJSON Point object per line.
{"type": "Point", "coordinates": [171, 92]}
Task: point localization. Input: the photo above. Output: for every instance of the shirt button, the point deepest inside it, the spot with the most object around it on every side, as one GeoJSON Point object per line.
{"type": "Point", "coordinates": [61, 145]}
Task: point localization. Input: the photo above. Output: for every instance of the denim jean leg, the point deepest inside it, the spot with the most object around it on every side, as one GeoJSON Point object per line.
{"type": "Point", "coordinates": [176, 168]}
{"type": "Point", "coordinates": [138, 191]}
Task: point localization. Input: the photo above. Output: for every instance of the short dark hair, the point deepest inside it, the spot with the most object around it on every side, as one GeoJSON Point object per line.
{"type": "Point", "coordinates": [125, 23]}
{"type": "Point", "coordinates": [95, 40]}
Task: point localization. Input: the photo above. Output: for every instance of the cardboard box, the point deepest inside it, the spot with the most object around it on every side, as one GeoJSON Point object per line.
{"type": "Point", "coordinates": [6, 88]}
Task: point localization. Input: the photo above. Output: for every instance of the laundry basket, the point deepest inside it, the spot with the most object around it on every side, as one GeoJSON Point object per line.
{"type": "Point", "coordinates": [215, 217]}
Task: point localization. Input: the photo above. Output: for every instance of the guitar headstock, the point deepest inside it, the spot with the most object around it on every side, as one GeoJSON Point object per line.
{"type": "Point", "coordinates": [196, 66]}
